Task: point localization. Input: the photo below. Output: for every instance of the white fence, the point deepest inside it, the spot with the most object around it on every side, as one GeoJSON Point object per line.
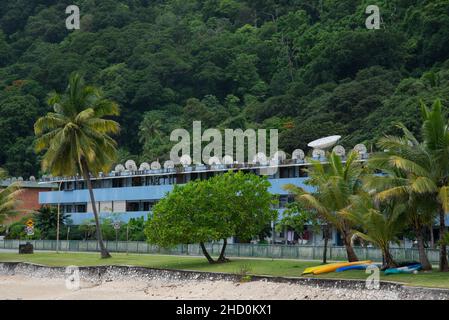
{"type": "Point", "coordinates": [276, 251]}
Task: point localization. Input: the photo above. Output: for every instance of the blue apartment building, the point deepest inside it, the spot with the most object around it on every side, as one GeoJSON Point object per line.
{"type": "Point", "coordinates": [128, 192]}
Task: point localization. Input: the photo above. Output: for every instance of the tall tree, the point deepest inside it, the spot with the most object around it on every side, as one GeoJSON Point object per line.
{"type": "Point", "coordinates": [76, 137]}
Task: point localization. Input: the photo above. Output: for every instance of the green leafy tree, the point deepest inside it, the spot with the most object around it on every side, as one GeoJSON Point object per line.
{"type": "Point", "coordinates": [76, 137]}
{"type": "Point", "coordinates": [46, 220]}
{"type": "Point", "coordinates": [232, 204]}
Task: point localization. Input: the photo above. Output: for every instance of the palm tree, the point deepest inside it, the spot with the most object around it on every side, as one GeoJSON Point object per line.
{"type": "Point", "coordinates": [425, 166]}
{"type": "Point", "coordinates": [380, 224]}
{"type": "Point", "coordinates": [8, 198]}
{"type": "Point", "coordinates": [150, 128]}
{"type": "Point", "coordinates": [419, 211]}
{"type": "Point", "coordinates": [76, 137]}
{"type": "Point", "coordinates": [335, 183]}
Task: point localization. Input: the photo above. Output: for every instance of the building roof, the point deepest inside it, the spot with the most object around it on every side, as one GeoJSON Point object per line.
{"type": "Point", "coordinates": [28, 184]}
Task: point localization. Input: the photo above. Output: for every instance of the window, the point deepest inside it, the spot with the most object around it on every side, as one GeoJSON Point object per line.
{"type": "Point", "coordinates": [132, 206]}
{"type": "Point", "coordinates": [136, 181]}
{"type": "Point", "coordinates": [117, 183]}
{"type": "Point", "coordinates": [81, 208]}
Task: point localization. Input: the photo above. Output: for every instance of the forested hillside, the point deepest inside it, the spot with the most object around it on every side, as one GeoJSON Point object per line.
{"type": "Point", "coordinates": [309, 68]}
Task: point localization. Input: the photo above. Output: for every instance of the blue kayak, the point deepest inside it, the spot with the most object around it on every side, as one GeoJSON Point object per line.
{"type": "Point", "coordinates": [407, 269]}
{"type": "Point", "coordinates": [356, 267]}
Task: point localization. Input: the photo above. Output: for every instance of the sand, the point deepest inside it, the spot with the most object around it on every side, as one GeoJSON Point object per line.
{"type": "Point", "coordinates": [24, 287]}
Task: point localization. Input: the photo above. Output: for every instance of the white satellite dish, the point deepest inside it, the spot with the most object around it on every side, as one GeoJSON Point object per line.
{"type": "Point", "coordinates": [298, 154]}
{"type": "Point", "coordinates": [119, 168]}
{"type": "Point", "coordinates": [144, 166]}
{"type": "Point", "coordinates": [260, 158]}
{"type": "Point", "coordinates": [360, 148]}
{"type": "Point", "coordinates": [185, 160]}
{"type": "Point", "coordinates": [228, 159]}
{"type": "Point", "coordinates": [278, 157]}
{"type": "Point", "coordinates": [339, 150]}
{"type": "Point", "coordinates": [214, 160]}
{"type": "Point", "coordinates": [318, 153]}
{"type": "Point", "coordinates": [324, 143]}
{"type": "Point", "coordinates": [169, 164]}
{"type": "Point", "coordinates": [32, 178]}
{"type": "Point", "coordinates": [155, 165]}
{"type": "Point", "coordinates": [20, 178]}
{"type": "Point", "coordinates": [131, 165]}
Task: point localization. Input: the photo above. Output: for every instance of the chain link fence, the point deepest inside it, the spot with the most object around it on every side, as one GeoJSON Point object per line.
{"type": "Point", "coordinates": [275, 251]}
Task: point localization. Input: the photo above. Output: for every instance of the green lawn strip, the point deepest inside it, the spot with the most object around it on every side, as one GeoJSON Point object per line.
{"type": "Point", "coordinates": [286, 268]}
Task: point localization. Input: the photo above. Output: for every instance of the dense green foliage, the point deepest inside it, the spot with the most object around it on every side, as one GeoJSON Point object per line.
{"type": "Point", "coordinates": [308, 68]}
{"type": "Point", "coordinates": [231, 204]}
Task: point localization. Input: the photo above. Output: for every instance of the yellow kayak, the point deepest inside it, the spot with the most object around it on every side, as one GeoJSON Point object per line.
{"type": "Point", "coordinates": [332, 267]}
{"type": "Point", "coordinates": [335, 266]}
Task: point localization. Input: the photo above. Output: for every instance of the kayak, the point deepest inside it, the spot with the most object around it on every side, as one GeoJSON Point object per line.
{"type": "Point", "coordinates": [407, 269]}
{"type": "Point", "coordinates": [334, 266]}
{"type": "Point", "coordinates": [356, 267]}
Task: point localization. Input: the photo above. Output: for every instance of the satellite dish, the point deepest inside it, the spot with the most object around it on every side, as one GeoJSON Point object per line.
{"type": "Point", "coordinates": [298, 154]}
{"type": "Point", "coordinates": [324, 143]}
{"type": "Point", "coordinates": [214, 160]}
{"type": "Point", "coordinates": [185, 160]}
{"type": "Point", "coordinates": [279, 156]}
{"type": "Point", "coordinates": [260, 158]}
{"type": "Point", "coordinates": [155, 165]}
{"type": "Point", "coordinates": [360, 149]}
{"type": "Point", "coordinates": [169, 164]}
{"type": "Point", "coordinates": [144, 166]}
{"type": "Point", "coordinates": [318, 153]}
{"type": "Point", "coordinates": [32, 178]}
{"type": "Point", "coordinates": [228, 159]}
{"type": "Point", "coordinates": [20, 178]}
{"type": "Point", "coordinates": [339, 151]}
{"type": "Point", "coordinates": [119, 168]}
{"type": "Point", "coordinates": [131, 165]}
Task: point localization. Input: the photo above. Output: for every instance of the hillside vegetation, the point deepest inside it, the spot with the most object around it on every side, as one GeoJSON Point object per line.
{"type": "Point", "coordinates": [309, 68]}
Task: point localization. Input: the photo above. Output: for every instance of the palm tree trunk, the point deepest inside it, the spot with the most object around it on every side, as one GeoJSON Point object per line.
{"type": "Point", "coordinates": [206, 254]}
{"type": "Point", "coordinates": [222, 257]}
{"type": "Point", "coordinates": [388, 258]}
{"type": "Point", "coordinates": [326, 240]}
{"type": "Point", "coordinates": [103, 250]}
{"type": "Point", "coordinates": [425, 264]}
{"type": "Point", "coordinates": [432, 240]}
{"type": "Point", "coordinates": [352, 257]}
{"type": "Point", "coordinates": [443, 251]}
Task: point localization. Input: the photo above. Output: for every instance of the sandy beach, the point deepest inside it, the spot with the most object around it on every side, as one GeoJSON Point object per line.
{"type": "Point", "coordinates": [25, 287]}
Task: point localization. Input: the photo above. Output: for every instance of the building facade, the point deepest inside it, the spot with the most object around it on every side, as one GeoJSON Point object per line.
{"type": "Point", "coordinates": [127, 193]}
{"type": "Point", "coordinates": [28, 199]}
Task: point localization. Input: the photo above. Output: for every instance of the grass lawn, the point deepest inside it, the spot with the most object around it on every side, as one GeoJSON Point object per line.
{"type": "Point", "coordinates": [288, 268]}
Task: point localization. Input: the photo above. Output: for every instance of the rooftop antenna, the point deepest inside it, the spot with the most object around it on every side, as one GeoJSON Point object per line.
{"type": "Point", "coordinates": [169, 164]}
{"type": "Point", "coordinates": [339, 151]}
{"type": "Point", "coordinates": [214, 161]}
{"type": "Point", "coordinates": [298, 154]}
{"type": "Point", "coordinates": [155, 165]}
{"type": "Point", "coordinates": [131, 165]}
{"type": "Point", "coordinates": [227, 159]}
{"type": "Point", "coordinates": [144, 166]}
{"type": "Point", "coordinates": [185, 160]}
